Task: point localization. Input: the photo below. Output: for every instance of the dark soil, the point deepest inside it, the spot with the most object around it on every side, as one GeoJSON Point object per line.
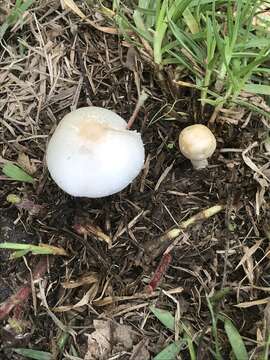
{"type": "Point", "coordinates": [55, 63]}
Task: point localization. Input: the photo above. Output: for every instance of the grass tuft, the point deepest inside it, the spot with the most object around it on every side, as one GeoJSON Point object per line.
{"type": "Point", "coordinates": [220, 47]}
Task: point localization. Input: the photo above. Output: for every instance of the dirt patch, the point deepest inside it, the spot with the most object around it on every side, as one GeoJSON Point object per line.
{"type": "Point", "coordinates": [56, 63]}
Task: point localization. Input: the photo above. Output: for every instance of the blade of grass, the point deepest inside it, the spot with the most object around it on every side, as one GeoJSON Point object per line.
{"type": "Point", "coordinates": [16, 14]}
{"type": "Point", "coordinates": [171, 351]}
{"type": "Point", "coordinates": [18, 254]}
{"type": "Point", "coordinates": [16, 173]}
{"type": "Point", "coordinates": [41, 249]}
{"type": "Point", "coordinates": [164, 316]}
{"type": "Point", "coordinates": [257, 89]}
{"type": "Point", "coordinates": [166, 14]}
{"type": "Point", "coordinates": [34, 354]}
{"type": "Point", "coordinates": [236, 341]}
{"type": "Point", "coordinates": [214, 329]}
{"type": "Point", "coordinates": [267, 347]}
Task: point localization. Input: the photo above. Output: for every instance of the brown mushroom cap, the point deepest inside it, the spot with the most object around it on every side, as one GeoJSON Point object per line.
{"type": "Point", "coordinates": [197, 142]}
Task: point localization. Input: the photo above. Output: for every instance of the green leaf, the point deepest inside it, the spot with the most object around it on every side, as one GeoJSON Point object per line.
{"type": "Point", "coordinates": [16, 173]}
{"type": "Point", "coordinates": [18, 254]}
{"type": "Point", "coordinates": [257, 89]}
{"type": "Point", "coordinates": [164, 316]}
{"type": "Point", "coordinates": [15, 15]}
{"type": "Point", "coordinates": [219, 295]}
{"type": "Point", "coordinates": [170, 352]}
{"type": "Point", "coordinates": [236, 341]}
{"type": "Point", "coordinates": [34, 354]}
{"type": "Point", "coordinates": [41, 249]}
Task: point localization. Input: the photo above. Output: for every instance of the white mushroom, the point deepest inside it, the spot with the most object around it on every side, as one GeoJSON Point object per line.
{"type": "Point", "coordinates": [197, 143]}
{"type": "Point", "coordinates": [92, 154]}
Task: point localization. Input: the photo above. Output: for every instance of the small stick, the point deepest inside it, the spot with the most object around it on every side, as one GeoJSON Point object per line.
{"type": "Point", "coordinates": [154, 248]}
{"type": "Point", "coordinates": [24, 292]}
{"type": "Point", "coordinates": [141, 100]}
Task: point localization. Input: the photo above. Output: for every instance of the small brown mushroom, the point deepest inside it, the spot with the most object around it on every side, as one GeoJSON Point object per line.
{"type": "Point", "coordinates": [197, 143]}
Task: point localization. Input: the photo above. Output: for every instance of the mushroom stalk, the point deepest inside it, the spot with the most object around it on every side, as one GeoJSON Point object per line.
{"type": "Point", "coordinates": [199, 164]}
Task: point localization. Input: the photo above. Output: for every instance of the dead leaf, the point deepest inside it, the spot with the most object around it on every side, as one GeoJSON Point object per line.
{"type": "Point", "coordinates": [251, 164]}
{"type": "Point", "coordinates": [86, 299]}
{"type": "Point", "coordinates": [140, 351]}
{"type": "Point", "coordinates": [70, 4]}
{"type": "Point", "coordinates": [26, 204]}
{"type": "Point", "coordinates": [259, 175]}
{"type": "Point", "coordinates": [83, 280]}
{"type": "Point", "coordinates": [55, 250]}
{"type": "Point", "coordinates": [248, 304]}
{"type": "Point", "coordinates": [26, 164]}
{"type": "Point", "coordinates": [249, 252]}
{"type": "Point", "coordinates": [109, 338]}
{"type": "Point", "coordinates": [87, 229]}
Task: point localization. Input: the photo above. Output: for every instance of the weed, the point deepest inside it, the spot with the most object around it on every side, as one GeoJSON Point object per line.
{"type": "Point", "coordinates": [15, 15]}
{"type": "Point", "coordinates": [215, 46]}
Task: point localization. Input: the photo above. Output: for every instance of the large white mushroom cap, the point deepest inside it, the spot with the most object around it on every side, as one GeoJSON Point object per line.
{"type": "Point", "coordinates": [92, 154]}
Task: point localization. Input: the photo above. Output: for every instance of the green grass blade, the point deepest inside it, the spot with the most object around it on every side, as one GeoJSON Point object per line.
{"type": "Point", "coordinates": [15, 15]}
{"type": "Point", "coordinates": [34, 354]}
{"type": "Point", "coordinates": [185, 62]}
{"type": "Point", "coordinates": [267, 347]}
{"type": "Point", "coordinates": [16, 173]}
{"type": "Point", "coordinates": [191, 21]}
{"type": "Point", "coordinates": [18, 254]}
{"type": "Point", "coordinates": [170, 352]}
{"type": "Point", "coordinates": [214, 329]}
{"type": "Point", "coordinates": [164, 316]}
{"type": "Point", "coordinates": [236, 341]}
{"type": "Point", "coordinates": [42, 249]}
{"type": "Point", "coordinates": [257, 89]}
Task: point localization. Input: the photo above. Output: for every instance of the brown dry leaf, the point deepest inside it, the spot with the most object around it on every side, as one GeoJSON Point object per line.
{"type": "Point", "coordinates": [249, 252]}
{"type": "Point", "coordinates": [109, 338]}
{"type": "Point", "coordinates": [248, 267]}
{"type": "Point", "coordinates": [27, 204]}
{"type": "Point", "coordinates": [54, 249]}
{"type": "Point", "coordinates": [259, 175]}
{"type": "Point", "coordinates": [83, 280]}
{"type": "Point", "coordinates": [248, 304]}
{"type": "Point", "coordinates": [114, 299]}
{"type": "Point", "coordinates": [140, 351]}
{"type": "Point", "coordinates": [70, 4]}
{"type": "Point", "coordinates": [86, 299]}
{"type": "Point", "coordinates": [88, 229]}
{"type": "Point", "coordinates": [251, 164]}
{"type": "Point", "coordinates": [31, 207]}
{"type": "Point", "coordinates": [26, 164]}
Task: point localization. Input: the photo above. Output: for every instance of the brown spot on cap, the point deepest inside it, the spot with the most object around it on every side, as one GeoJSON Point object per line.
{"type": "Point", "coordinates": [92, 131]}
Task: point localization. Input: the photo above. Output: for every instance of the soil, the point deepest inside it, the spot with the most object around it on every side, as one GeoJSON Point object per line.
{"type": "Point", "coordinates": [56, 62]}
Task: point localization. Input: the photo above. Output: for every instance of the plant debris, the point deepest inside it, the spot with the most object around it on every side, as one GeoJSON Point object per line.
{"type": "Point", "coordinates": [109, 338]}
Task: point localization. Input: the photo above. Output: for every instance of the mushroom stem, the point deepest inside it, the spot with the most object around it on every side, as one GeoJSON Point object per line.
{"type": "Point", "coordinates": [199, 164]}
